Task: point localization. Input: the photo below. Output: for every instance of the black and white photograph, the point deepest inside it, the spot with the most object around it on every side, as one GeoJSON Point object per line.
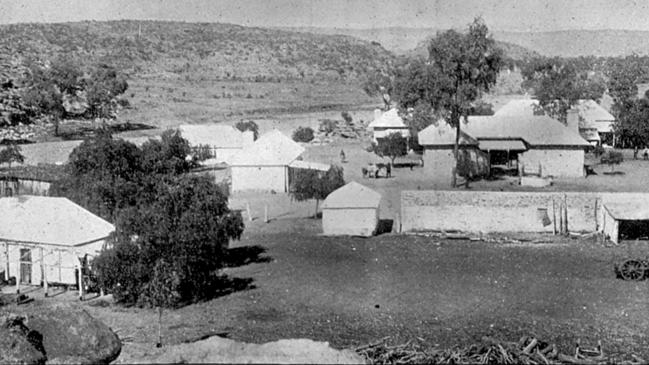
{"type": "Point", "coordinates": [324, 181]}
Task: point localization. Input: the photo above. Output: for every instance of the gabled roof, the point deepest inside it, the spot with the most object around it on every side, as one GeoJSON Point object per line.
{"type": "Point", "coordinates": [308, 165]}
{"type": "Point", "coordinates": [271, 149]}
{"type": "Point", "coordinates": [589, 111]}
{"type": "Point", "coordinates": [389, 119]}
{"type": "Point", "coordinates": [57, 221]}
{"type": "Point", "coordinates": [443, 134]}
{"type": "Point", "coordinates": [352, 195]}
{"type": "Point", "coordinates": [215, 135]}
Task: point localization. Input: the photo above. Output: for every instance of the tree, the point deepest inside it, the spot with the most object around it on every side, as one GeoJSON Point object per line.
{"type": "Point", "coordinates": [303, 134]}
{"type": "Point", "coordinates": [11, 154]}
{"type": "Point", "coordinates": [392, 146]}
{"type": "Point", "coordinates": [47, 85]}
{"type": "Point", "coordinates": [169, 155]}
{"type": "Point", "coordinates": [104, 86]}
{"type": "Point", "coordinates": [167, 252]}
{"type": "Point", "coordinates": [248, 126]}
{"type": "Point", "coordinates": [632, 125]}
{"type": "Point", "coordinates": [314, 184]}
{"type": "Point", "coordinates": [459, 69]}
{"type": "Point", "coordinates": [558, 85]}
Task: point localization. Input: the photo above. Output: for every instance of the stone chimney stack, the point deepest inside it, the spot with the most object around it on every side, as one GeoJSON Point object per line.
{"type": "Point", "coordinates": [377, 113]}
{"type": "Point", "coordinates": [572, 120]}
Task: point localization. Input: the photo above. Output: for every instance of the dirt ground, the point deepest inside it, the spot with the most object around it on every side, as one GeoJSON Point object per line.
{"type": "Point", "coordinates": [351, 291]}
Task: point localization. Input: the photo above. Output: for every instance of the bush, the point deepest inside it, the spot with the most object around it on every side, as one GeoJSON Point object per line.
{"type": "Point", "coordinates": [303, 134]}
{"type": "Point", "coordinates": [346, 116]}
{"type": "Point", "coordinates": [248, 126]}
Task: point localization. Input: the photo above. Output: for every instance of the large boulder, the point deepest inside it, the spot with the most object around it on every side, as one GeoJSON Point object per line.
{"type": "Point", "coordinates": [19, 344]}
{"type": "Point", "coordinates": [71, 335]}
{"type": "Point", "coordinates": [222, 350]}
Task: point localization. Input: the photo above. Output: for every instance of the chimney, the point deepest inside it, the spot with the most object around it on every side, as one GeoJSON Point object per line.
{"type": "Point", "coordinates": [572, 120]}
{"type": "Point", "coordinates": [247, 138]}
{"type": "Point", "coordinates": [377, 113]}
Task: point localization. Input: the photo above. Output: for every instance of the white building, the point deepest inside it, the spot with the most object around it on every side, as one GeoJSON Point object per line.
{"type": "Point", "coordinates": [45, 235]}
{"type": "Point", "coordinates": [351, 210]}
{"type": "Point", "coordinates": [265, 164]}
{"type": "Point", "coordinates": [387, 123]}
{"type": "Point", "coordinates": [224, 141]}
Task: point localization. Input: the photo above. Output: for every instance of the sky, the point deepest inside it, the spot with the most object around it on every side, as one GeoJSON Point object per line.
{"type": "Point", "coordinates": [500, 15]}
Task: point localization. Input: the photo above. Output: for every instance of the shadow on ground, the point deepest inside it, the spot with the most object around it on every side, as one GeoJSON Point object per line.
{"type": "Point", "coordinates": [245, 255]}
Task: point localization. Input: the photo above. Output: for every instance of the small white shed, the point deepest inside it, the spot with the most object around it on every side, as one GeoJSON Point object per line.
{"type": "Point", "coordinates": [351, 210]}
{"type": "Point", "coordinates": [387, 123]}
{"type": "Point", "coordinates": [45, 236]}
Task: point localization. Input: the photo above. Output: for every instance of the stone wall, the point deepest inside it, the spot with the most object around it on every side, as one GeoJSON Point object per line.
{"type": "Point", "coordinates": [488, 211]}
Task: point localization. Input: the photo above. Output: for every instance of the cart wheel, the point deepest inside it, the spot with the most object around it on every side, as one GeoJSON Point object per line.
{"type": "Point", "coordinates": [632, 270]}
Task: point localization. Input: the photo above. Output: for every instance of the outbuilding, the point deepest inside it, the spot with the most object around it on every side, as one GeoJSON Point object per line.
{"type": "Point", "coordinates": [387, 123]}
{"type": "Point", "coordinates": [264, 166]}
{"type": "Point", "coordinates": [224, 141]}
{"type": "Point", "coordinates": [351, 210]}
{"type": "Point", "coordinates": [44, 238]}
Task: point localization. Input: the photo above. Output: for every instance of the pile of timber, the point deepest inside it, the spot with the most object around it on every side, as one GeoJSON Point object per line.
{"type": "Point", "coordinates": [527, 350]}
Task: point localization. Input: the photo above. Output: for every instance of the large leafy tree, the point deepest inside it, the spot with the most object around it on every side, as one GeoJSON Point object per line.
{"type": "Point", "coordinates": [104, 85]}
{"type": "Point", "coordinates": [460, 67]}
{"type": "Point", "coordinates": [633, 123]}
{"type": "Point", "coordinates": [168, 252]}
{"type": "Point", "coordinates": [393, 145]}
{"type": "Point", "coordinates": [313, 184]}
{"type": "Point", "coordinates": [11, 154]}
{"type": "Point", "coordinates": [559, 84]}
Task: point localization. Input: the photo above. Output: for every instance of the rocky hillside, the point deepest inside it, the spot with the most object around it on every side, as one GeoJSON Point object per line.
{"type": "Point", "coordinates": [510, 50]}
{"type": "Point", "coordinates": [219, 51]}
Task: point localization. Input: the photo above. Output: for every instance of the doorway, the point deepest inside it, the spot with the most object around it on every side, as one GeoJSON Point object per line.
{"type": "Point", "coordinates": [25, 266]}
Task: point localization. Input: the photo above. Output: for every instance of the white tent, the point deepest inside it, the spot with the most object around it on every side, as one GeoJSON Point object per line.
{"type": "Point", "coordinates": [47, 235]}
{"type": "Point", "coordinates": [351, 210]}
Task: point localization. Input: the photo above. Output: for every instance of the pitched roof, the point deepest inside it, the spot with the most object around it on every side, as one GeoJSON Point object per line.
{"type": "Point", "coordinates": [271, 149]}
{"type": "Point", "coordinates": [536, 130]}
{"type": "Point", "coordinates": [443, 134]}
{"type": "Point", "coordinates": [352, 195]}
{"type": "Point", "coordinates": [519, 107]}
{"type": "Point", "coordinates": [215, 135]}
{"type": "Point", "coordinates": [591, 112]}
{"type": "Point", "coordinates": [299, 164]}
{"type": "Point", "coordinates": [57, 221]}
{"type": "Point", "coordinates": [389, 119]}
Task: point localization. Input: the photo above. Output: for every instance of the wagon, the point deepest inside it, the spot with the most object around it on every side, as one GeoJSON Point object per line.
{"type": "Point", "coordinates": [633, 269]}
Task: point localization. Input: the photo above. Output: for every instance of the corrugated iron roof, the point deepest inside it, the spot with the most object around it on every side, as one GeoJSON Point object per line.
{"type": "Point", "coordinates": [443, 134]}
{"type": "Point", "coordinates": [352, 195]}
{"type": "Point", "coordinates": [389, 119]}
{"type": "Point", "coordinates": [299, 164]}
{"type": "Point", "coordinates": [271, 149]}
{"type": "Point", "coordinates": [590, 113]}
{"type": "Point", "coordinates": [50, 220]}
{"type": "Point", "coordinates": [502, 145]}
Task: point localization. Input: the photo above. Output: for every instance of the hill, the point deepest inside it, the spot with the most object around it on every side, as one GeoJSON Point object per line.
{"type": "Point", "coordinates": [510, 50]}
{"type": "Point", "coordinates": [222, 51]}
{"type": "Point", "coordinates": [566, 43]}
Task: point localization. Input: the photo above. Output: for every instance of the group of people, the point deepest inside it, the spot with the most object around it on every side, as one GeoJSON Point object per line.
{"type": "Point", "coordinates": [372, 170]}
{"type": "Point", "coordinates": [645, 153]}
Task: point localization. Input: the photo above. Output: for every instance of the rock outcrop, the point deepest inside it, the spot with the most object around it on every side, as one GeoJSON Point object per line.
{"type": "Point", "coordinates": [59, 334]}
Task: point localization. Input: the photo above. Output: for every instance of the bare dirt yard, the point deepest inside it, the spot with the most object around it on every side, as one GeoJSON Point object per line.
{"type": "Point", "coordinates": [351, 291]}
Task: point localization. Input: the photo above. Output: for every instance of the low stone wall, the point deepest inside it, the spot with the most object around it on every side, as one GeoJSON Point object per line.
{"type": "Point", "coordinates": [488, 211]}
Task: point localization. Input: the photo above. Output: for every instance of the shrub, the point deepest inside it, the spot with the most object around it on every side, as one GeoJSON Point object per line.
{"type": "Point", "coordinates": [314, 184]}
{"type": "Point", "coordinates": [346, 116]}
{"type": "Point", "coordinates": [248, 126]}
{"type": "Point", "coordinates": [303, 134]}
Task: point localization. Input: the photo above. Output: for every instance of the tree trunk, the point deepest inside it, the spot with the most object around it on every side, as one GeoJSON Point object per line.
{"type": "Point", "coordinates": [159, 344]}
{"type": "Point", "coordinates": [315, 216]}
{"type": "Point", "coordinates": [456, 155]}
{"type": "Point", "coordinates": [56, 127]}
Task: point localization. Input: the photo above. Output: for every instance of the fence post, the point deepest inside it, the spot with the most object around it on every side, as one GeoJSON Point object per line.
{"type": "Point", "coordinates": [18, 272]}
{"type": "Point", "coordinates": [265, 213]}
{"type": "Point", "coordinates": [7, 261]}
{"type": "Point", "coordinates": [248, 211]}
{"type": "Point", "coordinates": [43, 272]}
{"type": "Point", "coordinates": [80, 282]}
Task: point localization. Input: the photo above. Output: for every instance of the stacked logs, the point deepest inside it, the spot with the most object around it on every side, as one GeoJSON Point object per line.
{"type": "Point", "coordinates": [527, 350]}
